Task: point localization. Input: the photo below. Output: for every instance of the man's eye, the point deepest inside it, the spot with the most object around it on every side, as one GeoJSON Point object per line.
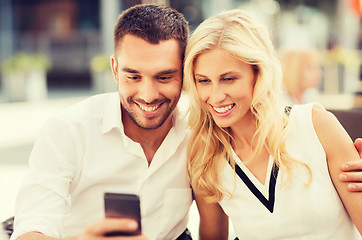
{"type": "Point", "coordinates": [134, 77]}
{"type": "Point", "coordinates": [163, 78]}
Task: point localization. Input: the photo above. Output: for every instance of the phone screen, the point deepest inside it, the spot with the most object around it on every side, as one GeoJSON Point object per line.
{"type": "Point", "coordinates": [122, 205]}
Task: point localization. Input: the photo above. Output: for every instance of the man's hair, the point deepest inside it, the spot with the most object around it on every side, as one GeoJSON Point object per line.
{"type": "Point", "coordinates": [152, 23]}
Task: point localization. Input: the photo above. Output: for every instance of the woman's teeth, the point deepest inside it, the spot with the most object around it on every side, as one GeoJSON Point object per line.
{"type": "Point", "coordinates": [223, 109]}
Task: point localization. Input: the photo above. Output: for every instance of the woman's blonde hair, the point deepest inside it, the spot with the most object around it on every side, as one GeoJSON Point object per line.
{"type": "Point", "coordinates": [240, 35]}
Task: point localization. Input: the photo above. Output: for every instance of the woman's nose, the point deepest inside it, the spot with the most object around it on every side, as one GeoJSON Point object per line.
{"type": "Point", "coordinates": [217, 94]}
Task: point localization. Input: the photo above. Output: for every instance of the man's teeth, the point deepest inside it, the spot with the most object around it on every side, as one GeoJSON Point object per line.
{"type": "Point", "coordinates": [149, 109]}
{"type": "Point", "coordinates": [223, 109]}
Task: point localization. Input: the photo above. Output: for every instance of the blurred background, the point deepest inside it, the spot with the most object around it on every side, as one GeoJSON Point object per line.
{"type": "Point", "coordinates": [54, 53]}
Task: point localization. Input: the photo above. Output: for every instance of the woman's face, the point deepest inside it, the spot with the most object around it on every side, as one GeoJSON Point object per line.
{"type": "Point", "coordinates": [225, 85]}
{"type": "Point", "coordinates": [311, 75]}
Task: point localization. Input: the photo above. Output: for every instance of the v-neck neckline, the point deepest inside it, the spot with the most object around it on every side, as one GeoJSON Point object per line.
{"type": "Point", "coordinates": [264, 192]}
{"type": "Point", "coordinates": [251, 176]}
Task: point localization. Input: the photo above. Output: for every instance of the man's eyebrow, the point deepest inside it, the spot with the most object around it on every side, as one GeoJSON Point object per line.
{"type": "Point", "coordinates": [167, 72]}
{"type": "Point", "coordinates": [129, 70]}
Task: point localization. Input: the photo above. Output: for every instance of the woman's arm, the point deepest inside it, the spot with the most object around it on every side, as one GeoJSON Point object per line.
{"type": "Point", "coordinates": [34, 236]}
{"type": "Point", "coordinates": [338, 147]}
{"type": "Point", "coordinates": [214, 223]}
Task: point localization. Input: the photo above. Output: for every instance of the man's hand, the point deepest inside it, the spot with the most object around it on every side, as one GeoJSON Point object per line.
{"type": "Point", "coordinates": [352, 170]}
{"type": "Point", "coordinates": [98, 230]}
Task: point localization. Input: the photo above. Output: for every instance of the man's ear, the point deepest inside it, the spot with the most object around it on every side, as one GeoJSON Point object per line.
{"type": "Point", "coordinates": [114, 66]}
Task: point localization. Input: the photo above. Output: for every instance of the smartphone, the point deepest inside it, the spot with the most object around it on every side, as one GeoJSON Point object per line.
{"type": "Point", "coordinates": [123, 205]}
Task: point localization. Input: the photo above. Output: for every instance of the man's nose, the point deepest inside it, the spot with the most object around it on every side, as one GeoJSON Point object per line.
{"type": "Point", "coordinates": [148, 91]}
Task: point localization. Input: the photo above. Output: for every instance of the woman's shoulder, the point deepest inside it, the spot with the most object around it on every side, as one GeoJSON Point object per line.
{"type": "Point", "coordinates": [305, 108]}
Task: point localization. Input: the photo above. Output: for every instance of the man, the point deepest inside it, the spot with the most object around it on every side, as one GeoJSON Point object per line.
{"type": "Point", "coordinates": [133, 141]}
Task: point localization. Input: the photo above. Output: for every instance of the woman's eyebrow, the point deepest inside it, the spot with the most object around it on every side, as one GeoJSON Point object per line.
{"type": "Point", "coordinates": [199, 75]}
{"type": "Point", "coordinates": [227, 73]}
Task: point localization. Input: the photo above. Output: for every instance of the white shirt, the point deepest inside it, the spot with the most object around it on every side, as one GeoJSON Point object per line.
{"type": "Point", "coordinates": [300, 212]}
{"type": "Point", "coordinates": [83, 153]}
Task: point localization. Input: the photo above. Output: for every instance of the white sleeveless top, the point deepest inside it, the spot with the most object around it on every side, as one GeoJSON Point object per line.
{"type": "Point", "coordinates": [298, 212]}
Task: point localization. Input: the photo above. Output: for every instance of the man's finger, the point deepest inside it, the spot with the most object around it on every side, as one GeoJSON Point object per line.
{"type": "Point", "coordinates": [358, 145]}
{"type": "Point", "coordinates": [351, 177]}
{"type": "Point", "coordinates": [354, 187]}
{"type": "Point", "coordinates": [112, 225]}
{"type": "Point", "coordinates": [352, 166]}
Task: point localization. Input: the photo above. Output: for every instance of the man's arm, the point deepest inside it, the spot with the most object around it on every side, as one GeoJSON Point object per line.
{"type": "Point", "coordinates": [95, 231]}
{"type": "Point", "coordinates": [352, 170]}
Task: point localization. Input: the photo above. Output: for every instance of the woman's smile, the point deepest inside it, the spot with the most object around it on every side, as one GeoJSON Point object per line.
{"type": "Point", "coordinates": [223, 111]}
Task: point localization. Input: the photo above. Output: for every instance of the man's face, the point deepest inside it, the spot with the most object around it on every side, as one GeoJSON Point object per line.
{"type": "Point", "coordinates": [149, 78]}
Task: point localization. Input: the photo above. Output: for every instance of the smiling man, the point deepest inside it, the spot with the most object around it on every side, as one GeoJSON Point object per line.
{"type": "Point", "coordinates": [132, 140]}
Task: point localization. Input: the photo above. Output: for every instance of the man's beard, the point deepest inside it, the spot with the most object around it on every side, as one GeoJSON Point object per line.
{"type": "Point", "coordinates": [143, 124]}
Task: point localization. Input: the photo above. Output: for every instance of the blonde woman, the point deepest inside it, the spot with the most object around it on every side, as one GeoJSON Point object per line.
{"type": "Point", "coordinates": [272, 170]}
{"type": "Point", "coordinates": [301, 73]}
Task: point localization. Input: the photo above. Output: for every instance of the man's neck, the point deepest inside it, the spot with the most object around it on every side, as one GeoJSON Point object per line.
{"type": "Point", "coordinates": [149, 139]}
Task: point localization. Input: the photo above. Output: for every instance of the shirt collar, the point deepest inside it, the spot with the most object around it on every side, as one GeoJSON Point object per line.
{"type": "Point", "coordinates": [112, 114]}
{"type": "Point", "coordinates": [179, 123]}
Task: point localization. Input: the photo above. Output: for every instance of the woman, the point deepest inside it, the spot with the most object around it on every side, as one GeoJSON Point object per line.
{"type": "Point", "coordinates": [272, 171]}
{"type": "Point", "coordinates": [301, 73]}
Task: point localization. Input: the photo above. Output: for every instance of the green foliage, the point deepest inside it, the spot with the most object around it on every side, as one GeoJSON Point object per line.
{"type": "Point", "coordinates": [100, 63]}
{"type": "Point", "coordinates": [25, 62]}
{"type": "Point", "coordinates": [344, 56]}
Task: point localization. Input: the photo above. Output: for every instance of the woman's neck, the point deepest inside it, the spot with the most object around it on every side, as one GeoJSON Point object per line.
{"type": "Point", "coordinates": [244, 146]}
{"type": "Point", "coordinates": [242, 134]}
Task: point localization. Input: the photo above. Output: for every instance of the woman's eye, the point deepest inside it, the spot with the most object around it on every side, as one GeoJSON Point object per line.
{"type": "Point", "coordinates": [228, 78]}
{"type": "Point", "coordinates": [202, 80]}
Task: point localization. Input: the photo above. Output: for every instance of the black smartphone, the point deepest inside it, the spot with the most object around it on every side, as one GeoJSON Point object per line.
{"type": "Point", "coordinates": [123, 205]}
